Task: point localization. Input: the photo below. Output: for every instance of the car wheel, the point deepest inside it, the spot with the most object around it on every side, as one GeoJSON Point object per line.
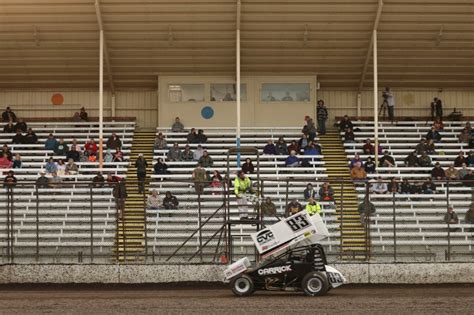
{"type": "Point", "coordinates": [315, 284]}
{"type": "Point", "coordinates": [242, 286]}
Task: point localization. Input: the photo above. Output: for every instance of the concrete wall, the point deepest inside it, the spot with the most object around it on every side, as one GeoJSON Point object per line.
{"type": "Point", "coordinates": [419, 273]}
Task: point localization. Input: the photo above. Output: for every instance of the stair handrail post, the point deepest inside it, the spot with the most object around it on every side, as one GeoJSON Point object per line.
{"type": "Point", "coordinates": [145, 226]}
{"type": "Point", "coordinates": [37, 222]}
{"type": "Point", "coordinates": [449, 229]}
{"type": "Point", "coordinates": [394, 228]}
{"type": "Point", "coordinates": [200, 219]}
{"type": "Point", "coordinates": [91, 197]}
{"type": "Point", "coordinates": [341, 229]}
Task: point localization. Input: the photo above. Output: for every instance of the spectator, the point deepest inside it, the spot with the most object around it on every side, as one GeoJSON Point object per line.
{"type": "Point", "coordinates": [411, 160]}
{"type": "Point", "coordinates": [428, 186]}
{"type": "Point", "coordinates": [312, 207]}
{"type": "Point", "coordinates": [326, 193]}
{"type": "Point", "coordinates": [368, 148]}
{"type": "Point", "coordinates": [349, 136]}
{"type": "Point", "coordinates": [61, 147]}
{"type": "Point", "coordinates": [424, 160]}
{"type": "Point", "coordinates": [71, 167]}
{"type": "Point", "coordinates": [112, 179]}
{"type": "Point", "coordinates": [309, 192]}
{"type": "Point", "coordinates": [174, 153]}
{"type": "Point", "coordinates": [216, 185]}
{"type": "Point", "coordinates": [430, 147]}
{"type": "Point", "coordinates": [355, 160]}
{"type": "Point", "coordinates": [177, 126]}
{"type": "Point", "coordinates": [198, 153]}
{"type": "Point", "coordinates": [192, 136]}
{"type": "Point", "coordinates": [76, 117]}
{"type": "Point", "coordinates": [309, 129]}
{"type": "Point", "coordinates": [386, 160]}
{"type": "Point", "coordinates": [5, 163]}
{"type": "Point", "coordinates": [6, 153]}
{"type": "Point", "coordinates": [438, 124]}
{"type": "Point", "coordinates": [390, 99]}
{"type": "Point", "coordinates": [10, 180]}
{"type": "Point", "coordinates": [379, 187]}
{"type": "Point", "coordinates": [358, 173]}
{"type": "Point", "coordinates": [114, 142]}
{"type": "Point", "coordinates": [281, 147]}
{"type": "Point", "coordinates": [83, 114]}
{"type": "Point", "coordinates": [421, 147]}
{"type": "Point", "coordinates": [463, 171]}
{"type": "Point", "coordinates": [405, 187]}
{"type": "Point", "coordinates": [242, 185]}
{"type": "Point", "coordinates": [108, 156]}
{"type": "Point", "coordinates": [393, 186]}
{"type": "Point", "coordinates": [322, 116]}
{"type": "Point", "coordinates": [366, 209]}
{"type": "Point", "coordinates": [437, 172]}
{"type": "Point", "coordinates": [50, 143]}
{"type": "Point", "coordinates": [469, 218]}
{"type": "Point", "coordinates": [311, 150]}
{"type": "Point", "coordinates": [61, 168]}
{"type": "Point", "coordinates": [73, 154]}
{"type": "Point", "coordinates": [200, 178]}
{"type": "Point", "coordinates": [450, 218]}
{"type": "Point", "coordinates": [55, 180]}
{"type": "Point", "coordinates": [18, 138]}
{"type": "Point", "coordinates": [17, 163]}
{"type": "Point", "coordinates": [205, 160]}
{"type": "Point", "coordinates": [21, 125]}
{"type": "Point", "coordinates": [216, 175]}
{"type": "Point", "coordinates": [187, 154]}
{"type": "Point", "coordinates": [468, 179]}
{"type": "Point", "coordinates": [293, 208]}
{"type": "Point", "coordinates": [8, 115]}
{"type": "Point", "coordinates": [98, 180]}
{"type": "Point", "coordinates": [470, 158]}
{"type": "Point", "coordinates": [433, 134]}
{"type": "Point", "coordinates": [153, 201]}
{"type": "Point", "coordinates": [270, 148]}
{"type": "Point", "coordinates": [345, 124]}
{"type": "Point", "coordinates": [201, 137]}
{"type": "Point", "coordinates": [369, 166]}
{"type": "Point", "coordinates": [42, 181]}
{"type": "Point", "coordinates": [437, 108]}
{"type": "Point", "coordinates": [293, 146]}
{"type": "Point", "coordinates": [9, 128]}
{"type": "Point", "coordinates": [160, 142]}
{"type": "Point", "coordinates": [460, 160]}
{"type": "Point", "coordinates": [91, 147]}
{"type": "Point", "coordinates": [452, 173]}
{"type": "Point", "coordinates": [268, 208]}
{"type": "Point", "coordinates": [464, 136]}
{"type": "Point", "coordinates": [30, 137]}
{"type": "Point", "coordinates": [170, 201]}
{"type": "Point", "coordinates": [141, 165]}
{"type": "Point", "coordinates": [302, 143]}
{"type": "Point", "coordinates": [247, 167]}
{"type": "Point", "coordinates": [160, 167]}
{"type": "Point", "coordinates": [292, 160]}
{"type": "Point", "coordinates": [51, 166]}
{"type": "Point", "coordinates": [120, 194]}
{"type": "Point", "coordinates": [317, 146]}
{"type": "Point", "coordinates": [118, 155]}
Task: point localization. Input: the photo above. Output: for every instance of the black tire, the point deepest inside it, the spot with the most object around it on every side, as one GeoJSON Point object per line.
{"type": "Point", "coordinates": [242, 286]}
{"type": "Point", "coordinates": [315, 284]}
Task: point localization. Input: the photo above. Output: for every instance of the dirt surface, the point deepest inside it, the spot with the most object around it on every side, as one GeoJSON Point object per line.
{"type": "Point", "coordinates": [217, 299]}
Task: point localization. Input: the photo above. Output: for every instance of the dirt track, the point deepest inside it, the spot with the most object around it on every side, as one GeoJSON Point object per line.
{"type": "Point", "coordinates": [360, 299]}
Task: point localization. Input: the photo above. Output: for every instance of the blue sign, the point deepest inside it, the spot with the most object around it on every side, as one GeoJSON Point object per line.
{"type": "Point", "coordinates": [207, 112]}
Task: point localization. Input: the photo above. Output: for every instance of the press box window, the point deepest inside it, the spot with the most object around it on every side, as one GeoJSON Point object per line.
{"type": "Point", "coordinates": [227, 92]}
{"type": "Point", "coordinates": [186, 93]}
{"type": "Point", "coordinates": [285, 92]}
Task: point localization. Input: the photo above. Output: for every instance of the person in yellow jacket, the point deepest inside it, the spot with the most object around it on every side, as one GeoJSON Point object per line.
{"type": "Point", "coordinates": [242, 185]}
{"type": "Point", "coordinates": [313, 207]}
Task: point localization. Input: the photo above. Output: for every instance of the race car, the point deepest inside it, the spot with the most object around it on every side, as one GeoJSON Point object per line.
{"type": "Point", "coordinates": [292, 260]}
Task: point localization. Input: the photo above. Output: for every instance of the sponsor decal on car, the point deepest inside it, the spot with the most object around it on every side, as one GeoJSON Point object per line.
{"type": "Point", "coordinates": [274, 270]}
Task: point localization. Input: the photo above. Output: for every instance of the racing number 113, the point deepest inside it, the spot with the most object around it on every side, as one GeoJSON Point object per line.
{"type": "Point", "coordinates": [297, 223]}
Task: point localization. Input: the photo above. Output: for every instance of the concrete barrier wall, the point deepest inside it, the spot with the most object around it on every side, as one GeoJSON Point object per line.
{"type": "Point", "coordinates": [419, 273]}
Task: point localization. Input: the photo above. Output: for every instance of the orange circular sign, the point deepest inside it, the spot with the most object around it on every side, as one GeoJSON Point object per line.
{"type": "Point", "coordinates": [57, 99]}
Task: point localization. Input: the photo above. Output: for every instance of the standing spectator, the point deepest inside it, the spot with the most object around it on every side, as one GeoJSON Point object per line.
{"type": "Point", "coordinates": [50, 143]}
{"type": "Point", "coordinates": [293, 208]}
{"type": "Point", "coordinates": [73, 154]}
{"type": "Point", "coordinates": [433, 134]}
{"type": "Point", "coordinates": [438, 108]}
{"type": "Point", "coordinates": [114, 142]}
{"type": "Point", "coordinates": [170, 201]}
{"type": "Point", "coordinates": [368, 148]}
{"type": "Point", "coordinates": [450, 218]}
{"type": "Point", "coordinates": [174, 153]}
{"type": "Point", "coordinates": [61, 147]}
{"type": "Point", "coordinates": [242, 185]}
{"type": "Point", "coordinates": [366, 209]}
{"type": "Point", "coordinates": [411, 160]}
{"type": "Point", "coordinates": [141, 165]}
{"type": "Point", "coordinates": [390, 99]}
{"type": "Point", "coordinates": [30, 137]}
{"type": "Point", "coordinates": [201, 137]}
{"type": "Point", "coordinates": [309, 192]}
{"type": "Point", "coordinates": [10, 180]}
{"type": "Point", "coordinates": [177, 126]}
{"type": "Point", "coordinates": [187, 154]}
{"type": "Point", "coordinates": [192, 136]}
{"type": "Point", "coordinates": [269, 148]}
{"type": "Point", "coordinates": [247, 167]}
{"type": "Point", "coordinates": [9, 128]}
{"type": "Point", "coordinates": [198, 153]}
{"type": "Point", "coordinates": [205, 160]}
{"type": "Point", "coordinates": [469, 218]}
{"type": "Point", "coordinates": [358, 173]}
{"type": "Point", "coordinates": [120, 194]}
{"type": "Point", "coordinates": [312, 207]}
{"type": "Point", "coordinates": [379, 187]}
{"type": "Point", "coordinates": [18, 138]}
{"type": "Point", "coordinates": [326, 193]}
{"type": "Point", "coordinates": [292, 160]}
{"type": "Point", "coordinates": [17, 163]}
{"type": "Point", "coordinates": [369, 166]}
{"type": "Point", "coordinates": [268, 208]}
{"type": "Point", "coordinates": [200, 178]}
{"type": "Point", "coordinates": [112, 179]}
{"type": "Point", "coordinates": [437, 172]}
{"type": "Point", "coordinates": [345, 124]}
{"type": "Point", "coordinates": [349, 136]}
{"type": "Point", "coordinates": [281, 147]}
{"type": "Point", "coordinates": [424, 160]}
{"type": "Point", "coordinates": [428, 186]}
{"type": "Point", "coordinates": [386, 160]}
{"type": "Point", "coordinates": [8, 115]}
{"type": "Point", "coordinates": [322, 116]}
{"type": "Point", "coordinates": [118, 155]}
{"type": "Point", "coordinates": [460, 159]}
{"type": "Point", "coordinates": [452, 173]}
{"type": "Point", "coordinates": [160, 167]}
{"type": "Point", "coordinates": [153, 201]}
{"type": "Point", "coordinates": [160, 142]}
{"type": "Point", "coordinates": [21, 125]}
{"type": "Point", "coordinates": [83, 114]}
{"type": "Point", "coordinates": [51, 166]}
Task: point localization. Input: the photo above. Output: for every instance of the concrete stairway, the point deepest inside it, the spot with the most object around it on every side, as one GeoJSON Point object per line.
{"type": "Point", "coordinates": [352, 232]}
{"type": "Point", "coordinates": [131, 230]}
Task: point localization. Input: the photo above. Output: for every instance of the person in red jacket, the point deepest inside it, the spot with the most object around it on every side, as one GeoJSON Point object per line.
{"type": "Point", "coordinates": [91, 146]}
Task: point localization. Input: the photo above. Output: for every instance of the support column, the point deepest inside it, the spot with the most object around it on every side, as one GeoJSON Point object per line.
{"type": "Point", "coordinates": [113, 107]}
{"type": "Point", "coordinates": [359, 105]}
{"type": "Point", "coordinates": [237, 85]}
{"type": "Point", "coordinates": [376, 84]}
{"type": "Point", "coordinates": [101, 101]}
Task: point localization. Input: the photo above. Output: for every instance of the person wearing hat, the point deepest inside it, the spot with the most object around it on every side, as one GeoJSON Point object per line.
{"type": "Point", "coordinates": [141, 164]}
{"type": "Point", "coordinates": [386, 160]}
{"type": "Point", "coordinates": [153, 202]}
{"type": "Point", "coordinates": [42, 181]}
{"type": "Point", "coordinates": [10, 180]}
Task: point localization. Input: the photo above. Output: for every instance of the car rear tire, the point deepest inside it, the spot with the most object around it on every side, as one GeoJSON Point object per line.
{"type": "Point", "coordinates": [242, 286]}
{"type": "Point", "coordinates": [315, 284]}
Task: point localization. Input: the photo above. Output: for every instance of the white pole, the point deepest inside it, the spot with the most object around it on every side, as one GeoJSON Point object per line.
{"type": "Point", "coordinates": [376, 117]}
{"type": "Point", "coordinates": [237, 87]}
{"type": "Point", "coordinates": [101, 100]}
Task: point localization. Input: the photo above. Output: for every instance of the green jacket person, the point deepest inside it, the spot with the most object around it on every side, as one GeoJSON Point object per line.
{"type": "Point", "coordinates": [242, 184]}
{"type": "Point", "coordinates": [313, 207]}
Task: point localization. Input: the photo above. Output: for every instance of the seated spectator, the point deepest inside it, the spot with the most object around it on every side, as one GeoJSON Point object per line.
{"type": "Point", "coordinates": [98, 180]}
{"type": "Point", "coordinates": [379, 187]}
{"type": "Point", "coordinates": [9, 128]}
{"type": "Point", "coordinates": [205, 160]}
{"type": "Point", "coordinates": [198, 153]}
{"type": "Point", "coordinates": [83, 114]}
{"type": "Point", "coordinates": [170, 201]}
{"type": "Point", "coordinates": [451, 217]}
{"type": "Point", "coordinates": [71, 167]}
{"type": "Point", "coordinates": [312, 207]}
{"type": "Point", "coordinates": [368, 148]}
{"type": "Point", "coordinates": [452, 173]}
{"type": "Point", "coordinates": [177, 125]}
{"type": "Point", "coordinates": [8, 115]}
{"type": "Point", "coordinates": [153, 201]}
{"type": "Point", "coordinates": [355, 160]}
{"type": "Point", "coordinates": [268, 208]}
{"type": "Point", "coordinates": [349, 136]}
{"type": "Point", "coordinates": [17, 162]}
{"type": "Point", "coordinates": [118, 155]}
{"type": "Point", "coordinates": [6, 153]}
{"type": "Point", "coordinates": [30, 137]}
{"type": "Point", "coordinates": [270, 148]}
{"type": "Point", "coordinates": [463, 171]}
{"type": "Point", "coordinates": [437, 173]}
{"type": "Point", "coordinates": [21, 125]}
{"type": "Point", "coordinates": [5, 163]}
{"type": "Point", "coordinates": [438, 124]}
{"type": "Point", "coordinates": [51, 166]}
{"type": "Point", "coordinates": [42, 181]}
{"type": "Point", "coordinates": [434, 135]}
{"type": "Point", "coordinates": [281, 147]}
{"type": "Point", "coordinates": [248, 167]}
{"type": "Point", "coordinates": [460, 160]}
{"type": "Point", "coordinates": [393, 187]}
{"type": "Point", "coordinates": [317, 146]}
{"type": "Point", "coordinates": [302, 143]}
{"type": "Point", "coordinates": [10, 180]}
{"type": "Point", "coordinates": [216, 185]}
{"type": "Point", "coordinates": [386, 160]}
{"type": "Point", "coordinates": [358, 173]}
{"type": "Point", "coordinates": [174, 153]}
{"type": "Point", "coordinates": [345, 123]}
{"type": "Point", "coordinates": [470, 158]}
{"type": "Point", "coordinates": [18, 138]}
{"type": "Point", "coordinates": [421, 147]}
{"type": "Point", "coordinates": [91, 147]}
{"type": "Point", "coordinates": [468, 179]}
{"type": "Point", "coordinates": [61, 168]}
{"type": "Point", "coordinates": [424, 160]}
{"type": "Point", "coordinates": [293, 146]}
{"type": "Point", "coordinates": [216, 175]}
{"type": "Point", "coordinates": [160, 167]}
{"type": "Point", "coordinates": [113, 142]}
{"type": "Point", "coordinates": [61, 147]}
{"type": "Point", "coordinates": [292, 160]}
{"type": "Point", "coordinates": [73, 154]}
{"type": "Point", "coordinates": [160, 142]}
{"type": "Point", "coordinates": [201, 137]}
{"type": "Point", "coordinates": [366, 209]}
{"type": "Point", "coordinates": [50, 143]}
{"type": "Point", "coordinates": [311, 150]}
{"type": "Point", "coordinates": [309, 128]}
{"type": "Point", "coordinates": [428, 186]}
{"type": "Point", "coordinates": [192, 136]}
{"type": "Point", "coordinates": [326, 193]}
{"type": "Point", "coordinates": [187, 154]}
{"type": "Point", "coordinates": [468, 126]}
{"type": "Point", "coordinates": [406, 187]}
{"type": "Point", "coordinates": [430, 147]}
{"type": "Point", "coordinates": [108, 156]}
{"type": "Point", "coordinates": [369, 166]}
{"type": "Point", "coordinates": [464, 136]}
{"type": "Point", "coordinates": [293, 208]}
{"type": "Point", "coordinates": [76, 117]}
{"type": "Point", "coordinates": [55, 180]}
{"type": "Point", "coordinates": [309, 192]}
{"type": "Point", "coordinates": [469, 218]}
{"type": "Point", "coordinates": [411, 160]}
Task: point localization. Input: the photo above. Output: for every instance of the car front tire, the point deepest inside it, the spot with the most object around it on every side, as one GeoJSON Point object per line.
{"type": "Point", "coordinates": [242, 286]}
{"type": "Point", "coordinates": [315, 284]}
